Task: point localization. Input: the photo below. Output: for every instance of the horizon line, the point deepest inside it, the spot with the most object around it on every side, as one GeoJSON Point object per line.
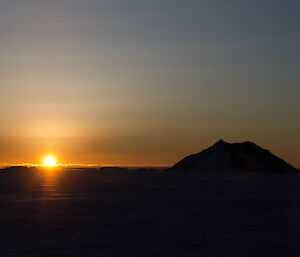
{"type": "Point", "coordinates": [81, 165]}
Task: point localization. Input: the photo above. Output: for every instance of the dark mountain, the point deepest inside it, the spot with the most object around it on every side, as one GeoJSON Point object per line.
{"type": "Point", "coordinates": [19, 168]}
{"type": "Point", "coordinates": [113, 170]}
{"type": "Point", "coordinates": [241, 157]}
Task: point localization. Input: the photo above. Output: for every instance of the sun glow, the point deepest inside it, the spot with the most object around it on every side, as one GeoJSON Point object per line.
{"type": "Point", "coordinates": [50, 161]}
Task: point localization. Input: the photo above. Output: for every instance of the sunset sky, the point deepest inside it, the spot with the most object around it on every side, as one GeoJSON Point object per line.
{"type": "Point", "coordinates": [146, 82]}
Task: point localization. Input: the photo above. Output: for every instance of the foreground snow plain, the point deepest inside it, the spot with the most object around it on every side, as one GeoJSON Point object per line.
{"type": "Point", "coordinates": [84, 213]}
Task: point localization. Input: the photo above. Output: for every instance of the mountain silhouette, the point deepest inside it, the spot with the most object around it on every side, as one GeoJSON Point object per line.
{"type": "Point", "coordinates": [241, 157]}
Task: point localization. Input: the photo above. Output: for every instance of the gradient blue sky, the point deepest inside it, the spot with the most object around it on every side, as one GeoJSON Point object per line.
{"type": "Point", "coordinates": [147, 82]}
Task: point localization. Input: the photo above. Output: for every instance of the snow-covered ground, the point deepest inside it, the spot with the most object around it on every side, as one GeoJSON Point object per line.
{"type": "Point", "coordinates": [209, 214]}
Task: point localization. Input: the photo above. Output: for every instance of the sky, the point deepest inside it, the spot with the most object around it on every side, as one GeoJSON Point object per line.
{"type": "Point", "coordinates": [146, 82]}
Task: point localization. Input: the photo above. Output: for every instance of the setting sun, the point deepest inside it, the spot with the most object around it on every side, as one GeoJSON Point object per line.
{"type": "Point", "coordinates": [50, 161]}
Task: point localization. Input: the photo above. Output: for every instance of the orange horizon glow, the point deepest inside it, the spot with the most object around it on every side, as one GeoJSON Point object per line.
{"type": "Point", "coordinates": [81, 165]}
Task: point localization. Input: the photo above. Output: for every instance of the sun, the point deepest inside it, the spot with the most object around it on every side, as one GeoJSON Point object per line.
{"type": "Point", "coordinates": [50, 161]}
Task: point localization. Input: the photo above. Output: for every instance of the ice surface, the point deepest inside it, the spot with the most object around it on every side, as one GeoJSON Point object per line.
{"type": "Point", "coordinates": [79, 213]}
